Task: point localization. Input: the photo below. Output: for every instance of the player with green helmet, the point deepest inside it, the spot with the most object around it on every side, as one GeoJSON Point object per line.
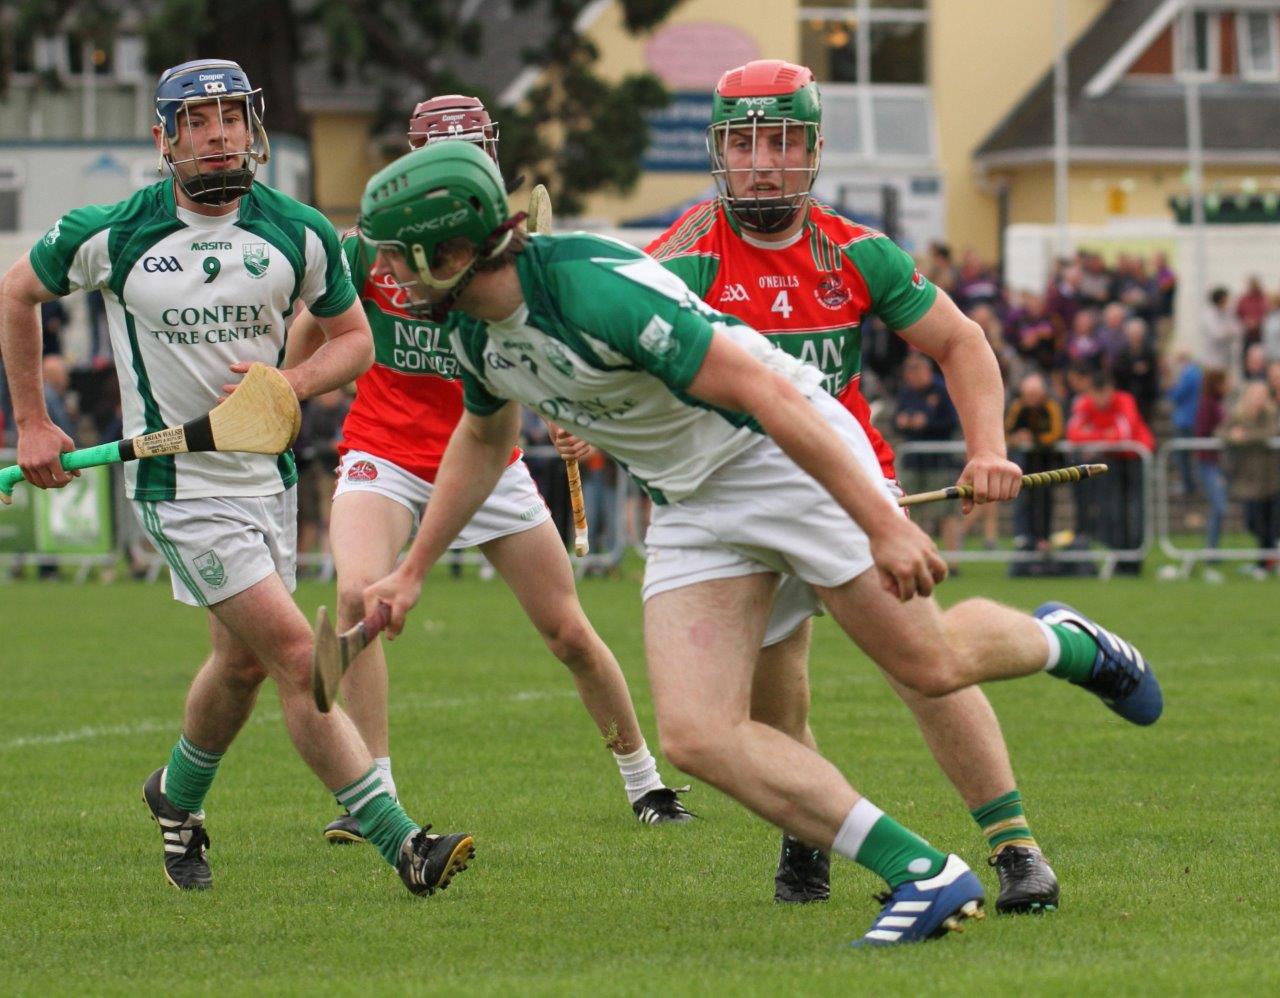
{"type": "Point", "coordinates": [784, 98]}
{"type": "Point", "coordinates": [408, 207]}
{"type": "Point", "coordinates": [393, 438]}
{"type": "Point", "coordinates": [754, 471]}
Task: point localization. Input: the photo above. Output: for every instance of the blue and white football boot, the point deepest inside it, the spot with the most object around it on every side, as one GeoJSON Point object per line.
{"type": "Point", "coordinates": [1121, 676]}
{"type": "Point", "coordinates": [927, 909]}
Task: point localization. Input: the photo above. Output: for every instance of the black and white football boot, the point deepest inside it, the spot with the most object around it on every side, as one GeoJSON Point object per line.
{"type": "Point", "coordinates": [662, 806]}
{"type": "Point", "coordinates": [343, 830]}
{"type": "Point", "coordinates": [185, 840]}
{"type": "Point", "coordinates": [428, 862]}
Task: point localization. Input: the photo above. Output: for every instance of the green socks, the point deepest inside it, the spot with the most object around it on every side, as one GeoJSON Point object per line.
{"type": "Point", "coordinates": [382, 821]}
{"type": "Point", "coordinates": [1003, 822]}
{"type": "Point", "coordinates": [870, 837]}
{"type": "Point", "coordinates": [189, 774]}
{"type": "Point", "coordinates": [1078, 651]}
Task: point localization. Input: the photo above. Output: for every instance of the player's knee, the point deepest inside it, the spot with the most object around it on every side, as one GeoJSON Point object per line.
{"type": "Point", "coordinates": [571, 640]}
{"type": "Point", "coordinates": [292, 671]}
{"type": "Point", "coordinates": [243, 672]}
{"type": "Point", "coordinates": [693, 747]}
{"type": "Point", "coordinates": [351, 597]}
{"type": "Point", "coordinates": [934, 677]}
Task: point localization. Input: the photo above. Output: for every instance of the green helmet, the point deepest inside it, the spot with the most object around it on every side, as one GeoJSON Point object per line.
{"type": "Point", "coordinates": [431, 196]}
{"type": "Point", "coordinates": [763, 94]}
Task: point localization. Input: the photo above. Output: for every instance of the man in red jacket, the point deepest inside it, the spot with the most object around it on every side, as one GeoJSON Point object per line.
{"type": "Point", "coordinates": [1103, 413]}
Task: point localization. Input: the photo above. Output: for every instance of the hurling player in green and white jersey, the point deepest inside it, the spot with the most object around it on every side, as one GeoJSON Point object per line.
{"type": "Point", "coordinates": [199, 272]}
{"type": "Point", "coordinates": [754, 471]}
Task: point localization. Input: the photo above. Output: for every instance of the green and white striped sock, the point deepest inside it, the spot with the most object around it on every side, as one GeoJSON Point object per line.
{"type": "Point", "coordinates": [189, 774]}
{"type": "Point", "coordinates": [382, 821]}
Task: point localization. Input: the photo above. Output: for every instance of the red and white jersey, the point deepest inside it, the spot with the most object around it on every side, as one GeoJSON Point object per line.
{"type": "Point", "coordinates": [809, 295]}
{"type": "Point", "coordinates": [408, 403]}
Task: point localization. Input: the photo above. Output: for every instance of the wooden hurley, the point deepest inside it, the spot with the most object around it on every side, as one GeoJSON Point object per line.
{"type": "Point", "coordinates": [333, 653]}
{"type": "Point", "coordinates": [540, 221]}
{"type": "Point", "coordinates": [261, 416]}
{"type": "Point", "coordinates": [1058, 476]}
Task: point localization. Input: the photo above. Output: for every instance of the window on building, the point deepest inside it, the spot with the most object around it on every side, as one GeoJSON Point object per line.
{"type": "Point", "coordinates": [1259, 45]}
{"type": "Point", "coordinates": [1199, 45]}
{"type": "Point", "coordinates": [10, 196]}
{"type": "Point", "coordinates": [869, 57]}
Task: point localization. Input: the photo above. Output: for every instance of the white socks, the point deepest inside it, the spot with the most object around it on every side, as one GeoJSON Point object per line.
{"type": "Point", "coordinates": [639, 772]}
{"type": "Point", "coordinates": [1055, 646]}
{"type": "Point", "coordinates": [384, 770]}
{"type": "Point", "coordinates": [857, 825]}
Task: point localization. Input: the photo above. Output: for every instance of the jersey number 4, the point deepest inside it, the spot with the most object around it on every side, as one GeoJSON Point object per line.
{"type": "Point", "coordinates": [782, 304]}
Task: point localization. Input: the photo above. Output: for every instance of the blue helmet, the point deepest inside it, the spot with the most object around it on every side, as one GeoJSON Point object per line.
{"type": "Point", "coordinates": [220, 82]}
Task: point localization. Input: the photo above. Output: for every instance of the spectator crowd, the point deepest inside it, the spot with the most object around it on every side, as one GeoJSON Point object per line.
{"type": "Point", "coordinates": [1087, 360]}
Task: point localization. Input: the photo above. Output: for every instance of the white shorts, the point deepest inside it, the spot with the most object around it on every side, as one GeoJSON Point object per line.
{"type": "Point", "coordinates": [762, 513]}
{"type": "Point", "coordinates": [514, 505]}
{"type": "Point", "coordinates": [795, 601]}
{"type": "Point", "coordinates": [217, 548]}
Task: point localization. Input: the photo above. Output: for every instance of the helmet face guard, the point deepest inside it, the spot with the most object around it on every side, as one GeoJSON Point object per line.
{"type": "Point", "coordinates": [453, 116]}
{"type": "Point", "coordinates": [214, 87]}
{"type": "Point", "coordinates": [763, 212]}
{"type": "Point", "coordinates": [766, 94]}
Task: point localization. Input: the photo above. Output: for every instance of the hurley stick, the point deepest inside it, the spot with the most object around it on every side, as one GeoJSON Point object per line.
{"type": "Point", "coordinates": [1057, 476]}
{"type": "Point", "coordinates": [333, 653]}
{"type": "Point", "coordinates": [261, 417]}
{"type": "Point", "coordinates": [540, 221]}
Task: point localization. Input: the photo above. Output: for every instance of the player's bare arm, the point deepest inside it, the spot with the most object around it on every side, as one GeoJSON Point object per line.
{"type": "Point", "coordinates": [40, 442]}
{"type": "Point", "coordinates": [473, 462]}
{"type": "Point", "coordinates": [345, 354]}
{"type": "Point", "coordinates": [305, 338]}
{"type": "Point", "coordinates": [972, 375]}
{"type": "Point", "coordinates": [732, 379]}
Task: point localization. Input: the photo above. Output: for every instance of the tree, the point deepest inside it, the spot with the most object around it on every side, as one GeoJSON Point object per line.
{"type": "Point", "coordinates": [575, 132]}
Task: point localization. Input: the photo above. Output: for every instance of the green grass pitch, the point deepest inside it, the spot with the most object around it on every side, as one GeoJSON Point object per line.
{"type": "Point", "coordinates": [1164, 838]}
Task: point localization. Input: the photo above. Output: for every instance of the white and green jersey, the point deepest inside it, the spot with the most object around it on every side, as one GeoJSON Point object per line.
{"type": "Point", "coordinates": [186, 296]}
{"type": "Point", "coordinates": [606, 345]}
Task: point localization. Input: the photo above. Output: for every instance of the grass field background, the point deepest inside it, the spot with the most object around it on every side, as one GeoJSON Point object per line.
{"type": "Point", "coordinates": [1164, 838]}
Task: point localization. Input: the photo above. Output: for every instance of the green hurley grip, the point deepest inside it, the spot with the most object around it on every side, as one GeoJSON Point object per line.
{"type": "Point", "coordinates": [88, 457]}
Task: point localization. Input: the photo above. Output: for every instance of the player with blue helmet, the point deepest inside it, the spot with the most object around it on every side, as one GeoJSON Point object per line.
{"type": "Point", "coordinates": [210, 131]}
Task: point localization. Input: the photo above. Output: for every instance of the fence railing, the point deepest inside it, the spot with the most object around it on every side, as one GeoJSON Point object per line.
{"type": "Point", "coordinates": [1101, 525]}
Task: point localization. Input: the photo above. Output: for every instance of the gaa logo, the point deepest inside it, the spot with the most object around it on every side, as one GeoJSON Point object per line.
{"type": "Point", "coordinates": [734, 293]}
{"type": "Point", "coordinates": [362, 471]}
{"type": "Point", "coordinates": [161, 264]}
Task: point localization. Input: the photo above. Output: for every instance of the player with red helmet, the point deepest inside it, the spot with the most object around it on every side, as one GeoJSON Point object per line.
{"type": "Point", "coordinates": [406, 407]}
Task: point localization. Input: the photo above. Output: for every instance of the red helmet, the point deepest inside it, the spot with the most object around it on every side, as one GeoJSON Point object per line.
{"type": "Point", "coordinates": [453, 116]}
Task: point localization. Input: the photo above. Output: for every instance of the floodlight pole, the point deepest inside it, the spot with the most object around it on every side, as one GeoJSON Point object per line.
{"type": "Point", "coordinates": [1195, 157]}
{"type": "Point", "coordinates": [1061, 152]}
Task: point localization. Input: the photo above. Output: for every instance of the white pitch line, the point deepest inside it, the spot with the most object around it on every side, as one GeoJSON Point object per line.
{"type": "Point", "coordinates": [151, 727]}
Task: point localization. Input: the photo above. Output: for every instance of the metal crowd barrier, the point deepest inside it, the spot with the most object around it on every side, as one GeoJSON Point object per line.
{"type": "Point", "coordinates": [1169, 506]}
{"type": "Point", "coordinates": [1075, 542]}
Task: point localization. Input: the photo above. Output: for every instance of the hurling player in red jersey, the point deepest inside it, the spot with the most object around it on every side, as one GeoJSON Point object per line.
{"type": "Point", "coordinates": [405, 410]}
{"type": "Point", "coordinates": [765, 250]}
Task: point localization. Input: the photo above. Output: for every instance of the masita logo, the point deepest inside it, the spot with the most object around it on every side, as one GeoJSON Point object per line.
{"type": "Point", "coordinates": [206, 247]}
{"type": "Point", "coordinates": [161, 264]}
